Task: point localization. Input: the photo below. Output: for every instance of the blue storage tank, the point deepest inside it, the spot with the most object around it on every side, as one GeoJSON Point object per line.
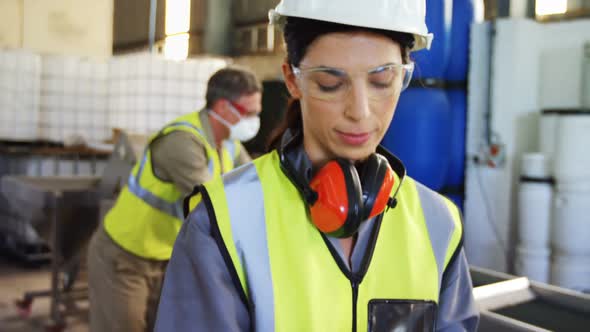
{"type": "Point", "coordinates": [458, 105]}
{"type": "Point", "coordinates": [420, 135]}
{"type": "Point", "coordinates": [464, 13]}
{"type": "Point", "coordinates": [432, 63]}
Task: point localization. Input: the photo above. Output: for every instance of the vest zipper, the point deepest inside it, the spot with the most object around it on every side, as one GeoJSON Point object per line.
{"type": "Point", "coordinates": [355, 294]}
{"type": "Point", "coordinates": [356, 278]}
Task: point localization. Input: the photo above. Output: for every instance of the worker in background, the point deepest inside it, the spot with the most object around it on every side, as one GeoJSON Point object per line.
{"type": "Point", "coordinates": [326, 232]}
{"type": "Point", "coordinates": [128, 255]}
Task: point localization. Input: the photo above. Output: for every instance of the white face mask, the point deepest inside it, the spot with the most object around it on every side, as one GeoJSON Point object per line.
{"type": "Point", "coordinates": [244, 130]}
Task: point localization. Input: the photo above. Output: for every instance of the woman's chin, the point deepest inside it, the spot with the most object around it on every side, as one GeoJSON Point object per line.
{"type": "Point", "coordinates": [356, 153]}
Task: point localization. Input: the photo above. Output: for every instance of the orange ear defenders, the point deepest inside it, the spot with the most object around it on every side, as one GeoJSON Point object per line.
{"type": "Point", "coordinates": [340, 198]}
{"type": "Point", "coordinates": [346, 197]}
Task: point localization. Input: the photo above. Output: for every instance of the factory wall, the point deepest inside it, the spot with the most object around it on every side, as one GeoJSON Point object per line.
{"type": "Point", "coordinates": [131, 23]}
{"type": "Point", "coordinates": [80, 27]}
{"type": "Point", "coordinates": [11, 23]}
{"type": "Point", "coordinates": [74, 27]}
{"type": "Point", "coordinates": [516, 98]}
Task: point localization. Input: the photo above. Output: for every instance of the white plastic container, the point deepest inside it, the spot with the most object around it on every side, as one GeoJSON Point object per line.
{"type": "Point", "coordinates": [572, 149]}
{"type": "Point", "coordinates": [571, 272]}
{"type": "Point", "coordinates": [534, 165]}
{"type": "Point", "coordinates": [20, 72]}
{"type": "Point", "coordinates": [581, 187]}
{"type": "Point", "coordinates": [570, 233]}
{"type": "Point", "coordinates": [534, 213]}
{"type": "Point", "coordinates": [533, 263]}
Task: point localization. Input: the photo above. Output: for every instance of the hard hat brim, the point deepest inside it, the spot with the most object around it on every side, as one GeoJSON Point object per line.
{"type": "Point", "coordinates": [421, 41]}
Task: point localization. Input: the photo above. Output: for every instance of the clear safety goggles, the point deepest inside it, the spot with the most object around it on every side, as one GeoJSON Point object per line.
{"type": "Point", "coordinates": [333, 84]}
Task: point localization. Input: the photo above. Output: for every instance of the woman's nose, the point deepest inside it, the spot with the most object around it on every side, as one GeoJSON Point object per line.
{"type": "Point", "coordinates": [357, 106]}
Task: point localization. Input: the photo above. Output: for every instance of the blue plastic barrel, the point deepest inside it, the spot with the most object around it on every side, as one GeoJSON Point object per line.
{"type": "Point", "coordinates": [420, 135]}
{"type": "Point", "coordinates": [458, 103]}
{"type": "Point", "coordinates": [463, 17]}
{"type": "Point", "coordinates": [432, 63]}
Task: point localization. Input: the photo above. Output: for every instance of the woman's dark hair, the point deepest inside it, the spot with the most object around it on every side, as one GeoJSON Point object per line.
{"type": "Point", "coordinates": [299, 33]}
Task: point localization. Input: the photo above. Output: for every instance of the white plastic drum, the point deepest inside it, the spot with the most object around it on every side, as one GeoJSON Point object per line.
{"type": "Point", "coordinates": [534, 165]}
{"type": "Point", "coordinates": [571, 272]}
{"type": "Point", "coordinates": [534, 213]}
{"type": "Point", "coordinates": [572, 149]}
{"type": "Point", "coordinates": [582, 187]}
{"type": "Point", "coordinates": [533, 263]}
{"type": "Point", "coordinates": [571, 223]}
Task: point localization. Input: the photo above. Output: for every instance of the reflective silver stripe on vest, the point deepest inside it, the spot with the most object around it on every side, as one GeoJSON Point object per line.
{"type": "Point", "coordinates": [180, 124]}
{"type": "Point", "coordinates": [248, 226]}
{"type": "Point", "coordinates": [190, 125]}
{"type": "Point", "coordinates": [172, 209]}
{"type": "Point", "coordinates": [439, 222]}
{"type": "Point", "coordinates": [210, 166]}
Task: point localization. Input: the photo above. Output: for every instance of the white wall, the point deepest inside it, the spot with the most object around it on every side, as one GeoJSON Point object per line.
{"type": "Point", "coordinates": [516, 86]}
{"type": "Point", "coordinates": [561, 84]}
{"type": "Point", "coordinates": [75, 27]}
{"type": "Point", "coordinates": [10, 23]}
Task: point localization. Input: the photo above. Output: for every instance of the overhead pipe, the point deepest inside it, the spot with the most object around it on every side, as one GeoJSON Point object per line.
{"type": "Point", "coordinates": [218, 27]}
{"type": "Point", "coordinates": [152, 24]}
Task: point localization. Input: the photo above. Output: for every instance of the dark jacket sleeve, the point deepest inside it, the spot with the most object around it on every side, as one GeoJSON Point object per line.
{"type": "Point", "coordinates": [198, 292]}
{"type": "Point", "coordinates": [457, 310]}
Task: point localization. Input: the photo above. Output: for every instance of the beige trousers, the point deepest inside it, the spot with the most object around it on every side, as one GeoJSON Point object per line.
{"type": "Point", "coordinates": [124, 289]}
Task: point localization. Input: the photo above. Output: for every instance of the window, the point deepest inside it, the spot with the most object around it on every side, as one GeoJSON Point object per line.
{"type": "Point", "coordinates": [550, 7]}
{"type": "Point", "coordinates": [178, 16]}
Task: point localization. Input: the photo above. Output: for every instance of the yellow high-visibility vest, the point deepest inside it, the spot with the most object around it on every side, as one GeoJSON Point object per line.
{"type": "Point", "coordinates": [291, 281]}
{"type": "Point", "coordinates": [148, 213]}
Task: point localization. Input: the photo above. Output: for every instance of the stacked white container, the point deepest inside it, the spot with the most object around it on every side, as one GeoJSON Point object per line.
{"type": "Point", "coordinates": [534, 218]}
{"type": "Point", "coordinates": [20, 73]}
{"type": "Point", "coordinates": [571, 223]}
{"type": "Point", "coordinates": [74, 100]}
{"type": "Point", "coordinates": [92, 100]}
{"type": "Point", "coordinates": [146, 91]}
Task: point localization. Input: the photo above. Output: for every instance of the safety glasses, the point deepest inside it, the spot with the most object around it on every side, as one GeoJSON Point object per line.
{"type": "Point", "coordinates": [241, 109]}
{"type": "Point", "coordinates": [333, 84]}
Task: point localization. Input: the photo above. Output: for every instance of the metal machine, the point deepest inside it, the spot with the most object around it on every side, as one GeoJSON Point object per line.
{"type": "Point", "coordinates": [516, 304]}
{"type": "Point", "coordinates": [69, 209]}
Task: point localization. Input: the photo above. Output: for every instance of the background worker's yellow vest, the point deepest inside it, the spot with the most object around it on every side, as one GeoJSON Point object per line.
{"type": "Point", "coordinates": [290, 280]}
{"type": "Point", "coordinates": [148, 213]}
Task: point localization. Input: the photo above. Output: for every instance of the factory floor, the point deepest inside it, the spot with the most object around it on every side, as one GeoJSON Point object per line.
{"type": "Point", "coordinates": [15, 280]}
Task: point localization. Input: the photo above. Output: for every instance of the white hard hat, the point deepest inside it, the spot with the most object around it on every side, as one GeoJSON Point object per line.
{"type": "Point", "coordinates": [394, 15]}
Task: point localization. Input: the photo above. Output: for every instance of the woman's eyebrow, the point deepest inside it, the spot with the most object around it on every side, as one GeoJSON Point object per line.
{"type": "Point", "coordinates": [330, 70]}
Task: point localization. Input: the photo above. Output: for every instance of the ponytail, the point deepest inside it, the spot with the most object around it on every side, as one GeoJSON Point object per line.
{"type": "Point", "coordinates": [292, 120]}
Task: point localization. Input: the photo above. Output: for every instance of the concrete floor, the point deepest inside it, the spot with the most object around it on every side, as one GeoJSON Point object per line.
{"type": "Point", "coordinates": [15, 280]}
